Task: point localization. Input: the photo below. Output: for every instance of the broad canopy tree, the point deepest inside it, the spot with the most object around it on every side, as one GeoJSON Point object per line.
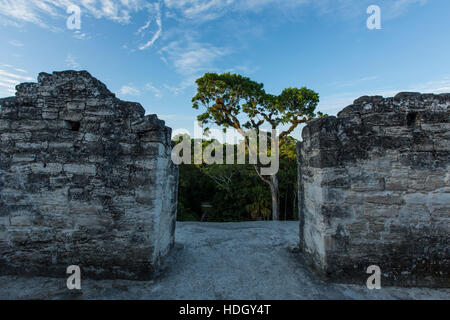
{"type": "Point", "coordinates": [234, 101]}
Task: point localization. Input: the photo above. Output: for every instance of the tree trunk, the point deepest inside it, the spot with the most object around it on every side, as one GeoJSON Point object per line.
{"type": "Point", "coordinates": [285, 206]}
{"type": "Point", "coordinates": [275, 197]}
{"type": "Point", "coordinates": [273, 183]}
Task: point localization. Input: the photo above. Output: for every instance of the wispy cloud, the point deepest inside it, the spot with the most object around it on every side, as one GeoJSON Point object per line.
{"type": "Point", "coordinates": [16, 43]}
{"type": "Point", "coordinates": [439, 86]}
{"type": "Point", "coordinates": [132, 90]}
{"type": "Point", "coordinates": [20, 12]}
{"type": "Point", "coordinates": [206, 10]}
{"type": "Point", "coordinates": [352, 83]}
{"type": "Point", "coordinates": [399, 7]}
{"type": "Point", "coordinates": [35, 11]}
{"type": "Point", "coordinates": [199, 9]}
{"type": "Point", "coordinates": [245, 69]}
{"type": "Point", "coordinates": [29, 11]}
{"type": "Point", "coordinates": [332, 104]}
{"type": "Point", "coordinates": [183, 85]}
{"type": "Point", "coordinates": [158, 32]}
{"type": "Point", "coordinates": [194, 12]}
{"type": "Point", "coordinates": [150, 87]}
{"type": "Point", "coordinates": [72, 62]}
{"type": "Point", "coordinates": [188, 55]}
{"type": "Point", "coordinates": [176, 117]}
{"type": "Point", "coordinates": [80, 35]}
{"type": "Point", "coordinates": [191, 57]}
{"type": "Point", "coordinates": [11, 76]}
{"type": "Point", "coordinates": [8, 66]}
{"type": "Point", "coordinates": [129, 90]}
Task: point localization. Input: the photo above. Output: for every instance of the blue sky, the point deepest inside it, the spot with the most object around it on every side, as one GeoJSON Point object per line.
{"type": "Point", "coordinates": [152, 51]}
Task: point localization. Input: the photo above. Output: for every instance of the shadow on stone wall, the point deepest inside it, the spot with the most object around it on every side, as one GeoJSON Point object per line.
{"type": "Point", "coordinates": [374, 190]}
{"type": "Point", "coordinates": [85, 179]}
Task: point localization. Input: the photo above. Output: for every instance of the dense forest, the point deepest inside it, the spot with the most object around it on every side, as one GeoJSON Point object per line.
{"type": "Point", "coordinates": [226, 193]}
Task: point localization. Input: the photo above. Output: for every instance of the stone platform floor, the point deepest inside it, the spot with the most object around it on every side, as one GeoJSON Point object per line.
{"type": "Point", "coordinates": [250, 261]}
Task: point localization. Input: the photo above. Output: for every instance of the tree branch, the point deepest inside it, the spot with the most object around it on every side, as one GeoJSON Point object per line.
{"type": "Point", "coordinates": [261, 176]}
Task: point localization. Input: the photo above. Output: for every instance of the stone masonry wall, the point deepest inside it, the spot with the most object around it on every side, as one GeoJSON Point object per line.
{"type": "Point", "coordinates": [85, 179]}
{"type": "Point", "coordinates": [375, 190]}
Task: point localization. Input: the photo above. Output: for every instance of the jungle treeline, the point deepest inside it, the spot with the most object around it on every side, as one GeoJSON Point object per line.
{"type": "Point", "coordinates": [233, 193]}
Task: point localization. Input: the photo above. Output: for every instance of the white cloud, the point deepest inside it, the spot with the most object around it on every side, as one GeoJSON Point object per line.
{"type": "Point", "coordinates": [19, 12]}
{"type": "Point", "coordinates": [433, 86]}
{"type": "Point", "coordinates": [128, 90]}
{"type": "Point", "coordinates": [195, 9]}
{"type": "Point", "coordinates": [190, 57]}
{"type": "Point", "coordinates": [183, 85]}
{"type": "Point", "coordinates": [9, 78]}
{"type": "Point", "coordinates": [390, 9]}
{"type": "Point", "coordinates": [72, 62]}
{"type": "Point", "coordinates": [205, 10]}
{"type": "Point", "coordinates": [176, 117]}
{"type": "Point", "coordinates": [80, 35]}
{"type": "Point", "coordinates": [131, 90]}
{"type": "Point", "coordinates": [16, 43]}
{"type": "Point", "coordinates": [150, 87]}
{"type": "Point", "coordinates": [334, 103]}
{"type": "Point", "coordinates": [20, 70]}
{"type": "Point", "coordinates": [22, 11]}
{"type": "Point", "coordinates": [158, 32]}
{"type": "Point", "coordinates": [352, 83]}
{"type": "Point", "coordinates": [4, 73]}
{"type": "Point", "coordinates": [439, 86]}
{"type": "Point", "coordinates": [144, 27]}
{"type": "Point", "coordinates": [399, 7]}
{"type": "Point", "coordinates": [243, 69]}
{"type": "Point", "coordinates": [8, 66]}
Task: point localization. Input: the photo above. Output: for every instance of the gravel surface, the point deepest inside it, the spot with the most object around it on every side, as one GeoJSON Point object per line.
{"type": "Point", "coordinates": [249, 260]}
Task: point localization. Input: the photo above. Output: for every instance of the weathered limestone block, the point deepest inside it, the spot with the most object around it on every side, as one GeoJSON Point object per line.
{"type": "Point", "coordinates": [85, 179]}
{"type": "Point", "coordinates": [374, 190]}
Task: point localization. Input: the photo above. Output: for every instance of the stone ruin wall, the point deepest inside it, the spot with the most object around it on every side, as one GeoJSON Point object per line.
{"type": "Point", "coordinates": [85, 179]}
{"type": "Point", "coordinates": [375, 190]}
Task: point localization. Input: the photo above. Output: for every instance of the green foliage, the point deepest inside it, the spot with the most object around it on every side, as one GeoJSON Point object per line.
{"type": "Point", "coordinates": [224, 97]}
{"type": "Point", "coordinates": [289, 149]}
{"type": "Point", "coordinates": [233, 101]}
{"type": "Point", "coordinates": [235, 192]}
{"type": "Point", "coordinates": [230, 99]}
{"type": "Point", "coordinates": [260, 209]}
